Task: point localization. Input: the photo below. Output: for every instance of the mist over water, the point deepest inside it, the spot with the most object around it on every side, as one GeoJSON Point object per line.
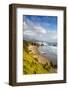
{"type": "Point", "coordinates": [50, 52]}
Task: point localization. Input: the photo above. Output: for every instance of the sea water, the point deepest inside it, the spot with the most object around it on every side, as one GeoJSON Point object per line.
{"type": "Point", "coordinates": [50, 52]}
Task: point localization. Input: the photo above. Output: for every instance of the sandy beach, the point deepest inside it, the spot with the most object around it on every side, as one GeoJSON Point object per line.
{"type": "Point", "coordinates": [40, 57]}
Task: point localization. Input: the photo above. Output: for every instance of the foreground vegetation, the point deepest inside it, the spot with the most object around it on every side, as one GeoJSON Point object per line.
{"type": "Point", "coordinates": [31, 64]}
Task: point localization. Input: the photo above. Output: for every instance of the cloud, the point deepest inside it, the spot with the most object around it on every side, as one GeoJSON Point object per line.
{"type": "Point", "coordinates": [40, 30]}
{"type": "Point", "coordinates": [34, 31]}
{"type": "Point", "coordinates": [51, 36]}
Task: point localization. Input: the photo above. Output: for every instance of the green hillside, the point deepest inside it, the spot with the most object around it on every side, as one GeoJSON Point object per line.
{"type": "Point", "coordinates": [31, 64]}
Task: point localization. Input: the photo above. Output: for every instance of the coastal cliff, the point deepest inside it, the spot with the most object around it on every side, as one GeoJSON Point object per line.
{"type": "Point", "coordinates": [34, 62]}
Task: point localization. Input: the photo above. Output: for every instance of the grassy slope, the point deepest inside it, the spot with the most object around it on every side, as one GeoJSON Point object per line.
{"type": "Point", "coordinates": [31, 65]}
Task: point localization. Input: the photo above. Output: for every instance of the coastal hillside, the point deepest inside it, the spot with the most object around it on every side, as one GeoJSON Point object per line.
{"type": "Point", "coordinates": [33, 61]}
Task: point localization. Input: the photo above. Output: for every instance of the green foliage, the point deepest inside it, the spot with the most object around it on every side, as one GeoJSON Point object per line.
{"type": "Point", "coordinates": [31, 64]}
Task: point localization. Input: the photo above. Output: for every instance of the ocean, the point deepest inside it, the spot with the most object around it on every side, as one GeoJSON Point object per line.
{"type": "Point", "coordinates": [50, 52]}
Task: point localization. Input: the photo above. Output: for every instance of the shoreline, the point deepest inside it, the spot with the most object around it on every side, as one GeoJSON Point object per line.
{"type": "Point", "coordinates": [34, 61]}
{"type": "Point", "coordinates": [41, 58]}
{"type": "Point", "coordinates": [49, 52]}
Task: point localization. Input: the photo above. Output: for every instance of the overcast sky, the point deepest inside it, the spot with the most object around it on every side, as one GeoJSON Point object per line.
{"type": "Point", "coordinates": [42, 28]}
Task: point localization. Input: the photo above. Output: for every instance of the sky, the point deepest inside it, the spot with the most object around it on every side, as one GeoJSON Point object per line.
{"type": "Point", "coordinates": [41, 28]}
